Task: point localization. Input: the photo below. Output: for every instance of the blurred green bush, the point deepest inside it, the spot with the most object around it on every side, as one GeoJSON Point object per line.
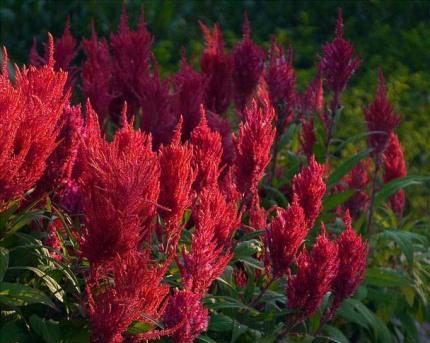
{"type": "Point", "coordinates": [394, 35]}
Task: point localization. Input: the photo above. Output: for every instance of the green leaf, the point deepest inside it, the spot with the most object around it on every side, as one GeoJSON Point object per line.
{"type": "Point", "coordinates": [139, 327]}
{"type": "Point", "coordinates": [54, 287]}
{"type": "Point", "coordinates": [220, 323]}
{"type": "Point", "coordinates": [335, 333]}
{"type": "Point", "coordinates": [206, 339]}
{"type": "Point", "coordinates": [405, 240]}
{"type": "Point", "coordinates": [224, 302]}
{"type": "Point", "coordinates": [11, 332]}
{"type": "Point", "coordinates": [4, 262]}
{"type": "Point", "coordinates": [14, 294]}
{"type": "Point", "coordinates": [49, 331]}
{"type": "Point", "coordinates": [246, 249]}
{"type": "Point", "coordinates": [333, 201]}
{"type": "Point", "coordinates": [345, 167]}
{"type": "Point", "coordinates": [380, 277]}
{"type": "Point", "coordinates": [393, 186]}
{"type": "Point", "coordinates": [252, 262]}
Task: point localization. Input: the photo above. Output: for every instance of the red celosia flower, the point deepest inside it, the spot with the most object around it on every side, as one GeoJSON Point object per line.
{"type": "Point", "coordinates": [240, 276]}
{"type": "Point", "coordinates": [315, 274]}
{"type": "Point", "coordinates": [65, 50]}
{"type": "Point", "coordinates": [257, 214]}
{"type": "Point", "coordinates": [217, 68]}
{"type": "Point", "coordinates": [133, 291]}
{"type": "Point", "coordinates": [307, 137]}
{"type": "Point", "coordinates": [215, 221]}
{"type": "Point", "coordinates": [357, 180]}
{"type": "Point", "coordinates": [207, 153]}
{"type": "Point", "coordinates": [186, 313]}
{"type": "Point", "coordinates": [381, 118]}
{"type": "Point", "coordinates": [31, 110]}
{"type": "Point", "coordinates": [284, 237]}
{"type": "Point", "coordinates": [339, 60]}
{"type": "Point", "coordinates": [395, 167]}
{"type": "Point", "coordinates": [131, 54]}
{"type": "Point", "coordinates": [58, 174]}
{"type": "Point", "coordinates": [256, 136]}
{"type": "Point", "coordinates": [248, 60]}
{"type": "Point", "coordinates": [176, 179]}
{"type": "Point", "coordinates": [121, 187]}
{"type": "Point", "coordinates": [352, 251]}
{"type": "Point", "coordinates": [222, 126]}
{"type": "Point", "coordinates": [312, 100]}
{"type": "Point", "coordinates": [159, 116]}
{"type": "Point", "coordinates": [281, 83]}
{"type": "Point", "coordinates": [96, 74]}
{"type": "Point", "coordinates": [55, 228]}
{"type": "Point", "coordinates": [190, 93]}
{"type": "Point", "coordinates": [310, 187]}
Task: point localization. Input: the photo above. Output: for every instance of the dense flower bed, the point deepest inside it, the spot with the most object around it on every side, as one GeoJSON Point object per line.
{"type": "Point", "coordinates": [210, 200]}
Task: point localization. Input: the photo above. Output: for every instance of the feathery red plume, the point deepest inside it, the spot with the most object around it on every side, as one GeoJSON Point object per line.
{"type": "Point", "coordinates": [395, 167]}
{"type": "Point", "coordinates": [352, 251]}
{"type": "Point", "coordinates": [207, 153]}
{"type": "Point", "coordinates": [31, 110]}
{"type": "Point", "coordinates": [121, 187]}
{"type": "Point", "coordinates": [310, 187]}
{"type": "Point", "coordinates": [339, 60]}
{"type": "Point", "coordinates": [284, 237]}
{"type": "Point", "coordinates": [381, 118]}
{"type": "Point", "coordinates": [248, 61]}
{"type": "Point", "coordinates": [217, 68]}
{"type": "Point", "coordinates": [186, 313]}
{"type": "Point", "coordinates": [315, 274]}
{"type": "Point", "coordinates": [256, 136]}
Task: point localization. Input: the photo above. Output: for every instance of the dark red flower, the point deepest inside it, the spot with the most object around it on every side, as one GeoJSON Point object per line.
{"type": "Point", "coordinates": [190, 87]}
{"type": "Point", "coordinates": [395, 167]}
{"type": "Point", "coordinates": [281, 83]}
{"type": "Point", "coordinates": [308, 137]}
{"type": "Point", "coordinates": [357, 180]}
{"type": "Point", "coordinates": [381, 118]}
{"type": "Point", "coordinates": [315, 274]}
{"type": "Point", "coordinates": [248, 61]}
{"type": "Point", "coordinates": [185, 313]}
{"type": "Point", "coordinates": [217, 68]}
{"type": "Point", "coordinates": [97, 74]}
{"type": "Point", "coordinates": [339, 60]}
{"type": "Point", "coordinates": [65, 50]}
{"type": "Point", "coordinates": [312, 100]}
{"type": "Point", "coordinates": [310, 187]}
{"type": "Point", "coordinates": [352, 251]}
{"type": "Point", "coordinates": [284, 237]}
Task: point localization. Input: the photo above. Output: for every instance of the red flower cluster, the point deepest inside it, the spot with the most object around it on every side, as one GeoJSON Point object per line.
{"type": "Point", "coordinates": [315, 273]}
{"type": "Point", "coordinates": [30, 124]}
{"type": "Point", "coordinates": [357, 180]}
{"type": "Point", "coordinates": [285, 235]}
{"type": "Point", "coordinates": [339, 60]}
{"type": "Point", "coordinates": [310, 187]}
{"type": "Point", "coordinates": [395, 167]}
{"type": "Point", "coordinates": [352, 252]}
{"type": "Point", "coordinates": [248, 60]}
{"type": "Point", "coordinates": [381, 119]}
{"type": "Point", "coordinates": [256, 136]}
{"type": "Point", "coordinates": [281, 83]}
